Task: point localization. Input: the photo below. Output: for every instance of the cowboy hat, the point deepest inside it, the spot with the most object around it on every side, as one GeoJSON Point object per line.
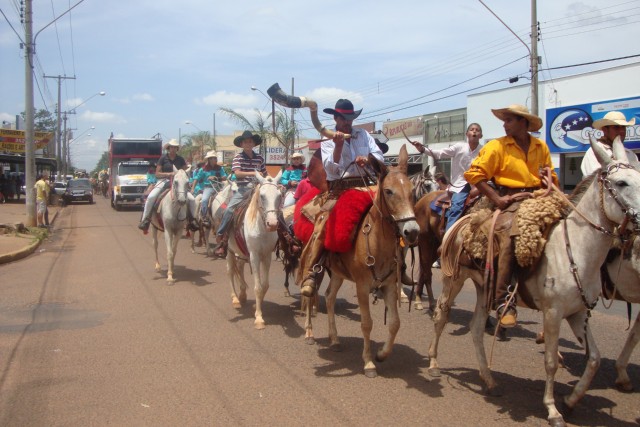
{"type": "Point", "coordinates": [297, 156]}
{"type": "Point", "coordinates": [535, 122]}
{"type": "Point", "coordinates": [257, 140]}
{"type": "Point", "coordinates": [173, 143]}
{"type": "Point", "coordinates": [344, 108]}
{"type": "Point", "coordinates": [613, 118]}
{"type": "Point", "coordinates": [211, 154]}
{"type": "Point", "coordinates": [382, 146]}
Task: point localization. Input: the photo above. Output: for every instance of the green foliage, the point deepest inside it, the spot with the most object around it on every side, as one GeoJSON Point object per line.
{"type": "Point", "coordinates": [103, 163]}
{"type": "Point", "coordinates": [43, 121]}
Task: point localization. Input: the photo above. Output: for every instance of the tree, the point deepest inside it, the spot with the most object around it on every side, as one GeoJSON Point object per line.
{"type": "Point", "coordinates": [197, 145]}
{"type": "Point", "coordinates": [43, 121]}
{"type": "Point", "coordinates": [103, 163]}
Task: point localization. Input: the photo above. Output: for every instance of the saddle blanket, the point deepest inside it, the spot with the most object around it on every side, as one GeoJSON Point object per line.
{"type": "Point", "coordinates": [343, 219]}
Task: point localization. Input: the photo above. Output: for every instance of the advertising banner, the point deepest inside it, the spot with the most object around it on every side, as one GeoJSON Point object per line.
{"type": "Point", "coordinates": [569, 128]}
{"type": "Point", "coordinates": [13, 141]}
{"type": "Point", "coordinates": [276, 155]}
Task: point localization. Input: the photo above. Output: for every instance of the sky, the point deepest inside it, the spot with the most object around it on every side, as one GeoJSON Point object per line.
{"type": "Point", "coordinates": [163, 63]}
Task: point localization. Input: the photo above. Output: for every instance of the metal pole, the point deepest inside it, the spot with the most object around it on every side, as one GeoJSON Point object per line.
{"type": "Point", "coordinates": [58, 135]}
{"type": "Point", "coordinates": [534, 58]}
{"type": "Point", "coordinates": [215, 145]}
{"type": "Point", "coordinates": [29, 154]}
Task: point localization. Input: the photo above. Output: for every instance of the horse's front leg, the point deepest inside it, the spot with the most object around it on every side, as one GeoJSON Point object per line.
{"type": "Point", "coordinates": [235, 271]}
{"type": "Point", "coordinates": [551, 328]}
{"type": "Point", "coordinates": [260, 264]}
{"type": "Point", "coordinates": [366, 325]}
{"type": "Point", "coordinates": [477, 327]}
{"type": "Point", "coordinates": [154, 240]}
{"type": "Point", "coordinates": [623, 382]}
{"type": "Point", "coordinates": [582, 331]}
{"type": "Point", "coordinates": [390, 294]}
{"type": "Point", "coordinates": [332, 292]}
{"type": "Point", "coordinates": [171, 240]}
{"type": "Point", "coordinates": [450, 289]}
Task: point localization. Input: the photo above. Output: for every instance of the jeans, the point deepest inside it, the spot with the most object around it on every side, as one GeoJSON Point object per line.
{"type": "Point", "coordinates": [231, 207]}
{"type": "Point", "coordinates": [457, 206]}
{"type": "Point", "coordinates": [206, 195]}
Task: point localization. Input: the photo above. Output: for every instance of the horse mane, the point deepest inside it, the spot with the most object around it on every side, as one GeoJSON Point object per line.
{"type": "Point", "coordinates": [581, 188]}
{"type": "Point", "coordinates": [252, 209]}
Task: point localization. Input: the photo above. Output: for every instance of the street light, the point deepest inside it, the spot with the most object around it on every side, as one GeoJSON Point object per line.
{"type": "Point", "coordinates": [188, 122]}
{"type": "Point", "coordinates": [65, 145]}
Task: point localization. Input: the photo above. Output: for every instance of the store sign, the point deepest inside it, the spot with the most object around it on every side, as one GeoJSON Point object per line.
{"type": "Point", "coordinates": [277, 155]}
{"type": "Point", "coordinates": [569, 128]}
{"type": "Point", "coordinates": [411, 127]}
{"type": "Point", "coordinates": [13, 141]}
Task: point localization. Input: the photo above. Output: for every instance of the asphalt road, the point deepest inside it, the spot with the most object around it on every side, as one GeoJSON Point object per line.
{"type": "Point", "coordinates": [90, 334]}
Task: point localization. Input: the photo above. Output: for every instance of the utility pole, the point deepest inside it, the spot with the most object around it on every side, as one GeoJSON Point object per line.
{"type": "Point", "coordinates": [59, 160]}
{"type": "Point", "coordinates": [29, 150]}
{"type": "Point", "coordinates": [535, 60]}
{"type": "Point", "coordinates": [293, 127]}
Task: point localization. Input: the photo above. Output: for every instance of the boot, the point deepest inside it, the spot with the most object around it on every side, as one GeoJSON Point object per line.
{"type": "Point", "coordinates": [221, 249]}
{"type": "Point", "coordinates": [144, 224]}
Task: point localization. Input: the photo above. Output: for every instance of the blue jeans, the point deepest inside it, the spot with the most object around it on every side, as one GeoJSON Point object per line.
{"type": "Point", "coordinates": [231, 207]}
{"type": "Point", "coordinates": [457, 206]}
{"type": "Point", "coordinates": [206, 195]}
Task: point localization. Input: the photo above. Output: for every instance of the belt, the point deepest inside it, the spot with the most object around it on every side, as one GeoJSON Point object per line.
{"type": "Point", "coordinates": [345, 183]}
{"type": "Point", "coordinates": [507, 191]}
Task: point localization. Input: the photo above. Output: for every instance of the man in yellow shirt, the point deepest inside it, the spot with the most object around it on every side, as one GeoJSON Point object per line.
{"type": "Point", "coordinates": [514, 163]}
{"type": "Point", "coordinates": [42, 196]}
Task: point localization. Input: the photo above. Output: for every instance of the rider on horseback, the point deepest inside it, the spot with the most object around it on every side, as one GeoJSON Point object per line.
{"type": "Point", "coordinates": [341, 159]}
{"type": "Point", "coordinates": [205, 180]}
{"type": "Point", "coordinates": [244, 166]}
{"type": "Point", "coordinates": [514, 163]}
{"type": "Point", "coordinates": [164, 173]}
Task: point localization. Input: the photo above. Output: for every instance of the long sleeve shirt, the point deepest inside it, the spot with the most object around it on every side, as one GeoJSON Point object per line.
{"type": "Point", "coordinates": [590, 163]}
{"type": "Point", "coordinates": [461, 157]}
{"type": "Point", "coordinates": [360, 144]}
{"type": "Point", "coordinates": [504, 161]}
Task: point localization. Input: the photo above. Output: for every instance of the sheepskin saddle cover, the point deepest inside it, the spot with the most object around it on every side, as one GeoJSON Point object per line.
{"type": "Point", "coordinates": [344, 219]}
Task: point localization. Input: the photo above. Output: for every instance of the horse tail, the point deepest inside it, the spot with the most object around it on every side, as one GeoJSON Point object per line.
{"type": "Point", "coordinates": [452, 248]}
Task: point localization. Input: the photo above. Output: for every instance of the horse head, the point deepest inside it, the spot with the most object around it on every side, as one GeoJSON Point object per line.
{"type": "Point", "coordinates": [269, 199]}
{"type": "Point", "coordinates": [619, 185]}
{"type": "Point", "coordinates": [423, 183]}
{"type": "Point", "coordinates": [395, 196]}
{"type": "Point", "coordinates": [179, 186]}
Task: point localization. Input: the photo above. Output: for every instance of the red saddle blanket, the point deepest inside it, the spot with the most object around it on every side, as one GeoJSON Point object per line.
{"type": "Point", "coordinates": [343, 219]}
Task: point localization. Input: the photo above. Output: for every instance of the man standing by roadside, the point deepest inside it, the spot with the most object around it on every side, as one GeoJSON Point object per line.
{"type": "Point", "coordinates": [42, 197]}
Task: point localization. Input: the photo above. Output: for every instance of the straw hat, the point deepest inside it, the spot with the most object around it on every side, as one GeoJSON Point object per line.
{"type": "Point", "coordinates": [613, 118]}
{"type": "Point", "coordinates": [211, 154]}
{"type": "Point", "coordinates": [173, 143]}
{"type": "Point", "coordinates": [535, 122]}
{"type": "Point", "coordinates": [297, 156]}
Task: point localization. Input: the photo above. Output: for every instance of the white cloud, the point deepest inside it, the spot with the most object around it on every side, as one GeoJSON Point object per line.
{"type": "Point", "coordinates": [143, 97]}
{"type": "Point", "coordinates": [96, 117]}
{"type": "Point", "coordinates": [222, 98]}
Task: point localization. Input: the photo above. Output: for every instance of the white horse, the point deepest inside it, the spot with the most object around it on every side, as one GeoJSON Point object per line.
{"type": "Point", "coordinates": [566, 282]}
{"type": "Point", "coordinates": [214, 213]}
{"type": "Point", "coordinates": [259, 226]}
{"type": "Point", "coordinates": [171, 219]}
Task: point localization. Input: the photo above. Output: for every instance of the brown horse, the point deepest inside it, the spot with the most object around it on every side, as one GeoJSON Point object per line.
{"type": "Point", "coordinates": [373, 263]}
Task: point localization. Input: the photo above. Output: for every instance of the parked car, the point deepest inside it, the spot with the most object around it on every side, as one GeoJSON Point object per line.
{"type": "Point", "coordinates": [78, 190]}
{"type": "Point", "coordinates": [59, 187]}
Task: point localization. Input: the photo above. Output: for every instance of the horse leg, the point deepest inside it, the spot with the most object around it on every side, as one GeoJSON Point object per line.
{"type": "Point", "coordinates": [260, 264]}
{"type": "Point", "coordinates": [332, 292]}
{"type": "Point", "coordinates": [154, 240]}
{"type": "Point", "coordinates": [391, 302]}
{"type": "Point", "coordinates": [623, 382]}
{"type": "Point", "coordinates": [477, 327]}
{"type": "Point", "coordinates": [366, 325]}
{"type": "Point", "coordinates": [582, 331]}
{"type": "Point", "coordinates": [450, 289]}
{"type": "Point", "coordinates": [172, 247]}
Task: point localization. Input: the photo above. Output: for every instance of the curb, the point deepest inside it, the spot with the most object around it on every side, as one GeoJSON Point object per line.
{"type": "Point", "coordinates": [27, 250]}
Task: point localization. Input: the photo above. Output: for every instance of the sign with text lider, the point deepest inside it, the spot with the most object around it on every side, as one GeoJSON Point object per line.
{"type": "Point", "coordinates": [13, 141]}
{"type": "Point", "coordinates": [277, 155]}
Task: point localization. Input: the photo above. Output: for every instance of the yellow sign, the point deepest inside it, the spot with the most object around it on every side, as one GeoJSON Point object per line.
{"type": "Point", "coordinates": [13, 141]}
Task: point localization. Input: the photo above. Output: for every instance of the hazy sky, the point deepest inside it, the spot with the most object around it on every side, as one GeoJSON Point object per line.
{"type": "Point", "coordinates": [162, 63]}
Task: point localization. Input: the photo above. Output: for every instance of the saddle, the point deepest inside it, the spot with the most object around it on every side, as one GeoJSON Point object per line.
{"type": "Point", "coordinates": [156, 219]}
{"type": "Point", "coordinates": [237, 221]}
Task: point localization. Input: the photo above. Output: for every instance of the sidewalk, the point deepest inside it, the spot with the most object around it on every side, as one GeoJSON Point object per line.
{"type": "Point", "coordinates": [15, 246]}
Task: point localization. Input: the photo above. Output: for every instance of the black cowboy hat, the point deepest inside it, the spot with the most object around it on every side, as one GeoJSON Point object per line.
{"type": "Point", "coordinates": [382, 146]}
{"type": "Point", "coordinates": [344, 108]}
{"type": "Point", "coordinates": [257, 140]}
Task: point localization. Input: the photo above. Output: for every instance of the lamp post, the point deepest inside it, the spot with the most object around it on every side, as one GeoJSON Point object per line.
{"type": "Point", "coordinates": [533, 51]}
{"type": "Point", "coordinates": [71, 141]}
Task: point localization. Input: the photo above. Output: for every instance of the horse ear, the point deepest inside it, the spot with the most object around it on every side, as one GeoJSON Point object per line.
{"type": "Point", "coordinates": [403, 159]}
{"type": "Point", "coordinates": [603, 157]}
{"type": "Point", "coordinates": [619, 153]}
{"type": "Point", "coordinates": [425, 173]}
{"type": "Point", "coordinates": [379, 167]}
{"type": "Point", "coordinates": [277, 178]}
{"type": "Point", "coordinates": [259, 176]}
{"type": "Point", "coordinates": [175, 170]}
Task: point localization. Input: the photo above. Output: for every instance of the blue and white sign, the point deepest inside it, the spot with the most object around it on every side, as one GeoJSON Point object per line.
{"type": "Point", "coordinates": [569, 128]}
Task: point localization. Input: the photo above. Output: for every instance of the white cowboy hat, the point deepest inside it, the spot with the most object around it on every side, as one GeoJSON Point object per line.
{"type": "Point", "coordinates": [613, 118]}
{"type": "Point", "coordinates": [535, 122]}
{"type": "Point", "coordinates": [173, 143]}
{"type": "Point", "coordinates": [211, 154]}
{"type": "Point", "coordinates": [297, 156]}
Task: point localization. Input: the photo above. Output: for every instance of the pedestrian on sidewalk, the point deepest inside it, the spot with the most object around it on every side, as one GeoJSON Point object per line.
{"type": "Point", "coordinates": [42, 197]}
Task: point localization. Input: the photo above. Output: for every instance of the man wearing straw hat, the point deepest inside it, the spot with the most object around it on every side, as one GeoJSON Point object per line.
{"type": "Point", "coordinates": [514, 163]}
{"type": "Point", "coordinates": [613, 124]}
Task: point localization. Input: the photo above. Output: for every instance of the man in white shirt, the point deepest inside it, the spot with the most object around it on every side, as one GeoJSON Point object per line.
{"type": "Point", "coordinates": [613, 124]}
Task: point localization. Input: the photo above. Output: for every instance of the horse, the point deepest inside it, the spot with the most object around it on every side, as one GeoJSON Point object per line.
{"type": "Point", "coordinates": [214, 213]}
{"type": "Point", "coordinates": [423, 184]}
{"type": "Point", "coordinates": [373, 263]}
{"type": "Point", "coordinates": [171, 218]}
{"type": "Point", "coordinates": [565, 284]}
{"type": "Point", "coordinates": [259, 225]}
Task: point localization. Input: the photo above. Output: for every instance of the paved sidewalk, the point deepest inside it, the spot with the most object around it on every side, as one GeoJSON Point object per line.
{"type": "Point", "coordinates": [15, 246]}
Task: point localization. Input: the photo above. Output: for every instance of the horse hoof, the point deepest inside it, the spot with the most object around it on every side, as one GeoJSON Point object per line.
{"type": "Point", "coordinates": [565, 409]}
{"type": "Point", "coordinates": [171, 282]}
{"type": "Point", "coordinates": [404, 299]}
{"type": "Point", "coordinates": [540, 338]}
{"type": "Point", "coordinates": [287, 293]}
{"type": "Point", "coordinates": [370, 373]}
{"type": "Point", "coordinates": [310, 340]}
{"type": "Point", "coordinates": [259, 325]}
{"type": "Point", "coordinates": [557, 422]}
{"type": "Point", "coordinates": [336, 348]}
{"type": "Point", "coordinates": [494, 391]}
{"type": "Point", "coordinates": [624, 386]}
{"type": "Point", "coordinates": [418, 306]}
{"type": "Point", "coordinates": [434, 372]}
{"type": "Point", "coordinates": [236, 304]}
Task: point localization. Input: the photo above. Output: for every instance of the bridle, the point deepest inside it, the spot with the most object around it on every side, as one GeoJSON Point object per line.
{"type": "Point", "coordinates": [175, 193]}
{"type": "Point", "coordinates": [630, 214]}
{"type": "Point", "coordinates": [263, 212]}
